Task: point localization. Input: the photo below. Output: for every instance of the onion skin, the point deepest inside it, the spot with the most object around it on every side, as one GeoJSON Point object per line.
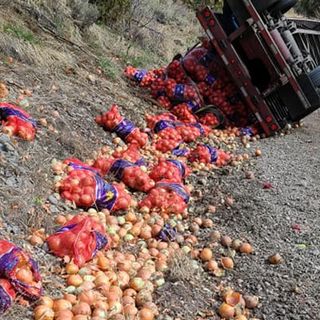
{"type": "Point", "coordinates": [246, 248]}
{"type": "Point", "coordinates": [43, 312]}
{"type": "Point", "coordinates": [206, 254]}
{"type": "Point", "coordinates": [251, 302]}
{"type": "Point", "coordinates": [226, 241]}
{"type": "Point", "coordinates": [226, 311]}
{"type": "Point", "coordinates": [275, 259]}
{"type": "Point", "coordinates": [227, 263]}
{"type": "Point", "coordinates": [146, 314]}
{"type": "Point", "coordinates": [61, 304]}
{"type": "Point", "coordinates": [81, 308]}
{"type": "Point", "coordinates": [64, 315]}
{"type": "Point", "coordinates": [46, 301]}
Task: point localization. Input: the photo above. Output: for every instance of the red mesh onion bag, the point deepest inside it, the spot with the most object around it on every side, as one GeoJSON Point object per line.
{"type": "Point", "coordinates": [80, 239]}
{"type": "Point", "coordinates": [7, 295]}
{"type": "Point", "coordinates": [13, 262]}
{"type": "Point", "coordinates": [170, 170]}
{"type": "Point", "coordinates": [168, 197]}
{"type": "Point", "coordinates": [131, 175]}
{"type": "Point", "coordinates": [87, 189]}
{"type": "Point", "coordinates": [16, 121]}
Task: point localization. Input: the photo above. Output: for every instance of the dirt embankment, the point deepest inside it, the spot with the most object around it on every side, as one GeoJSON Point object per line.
{"type": "Point", "coordinates": [282, 219]}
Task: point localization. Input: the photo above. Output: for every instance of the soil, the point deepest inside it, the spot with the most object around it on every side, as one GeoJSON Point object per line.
{"type": "Point", "coordinates": [283, 219]}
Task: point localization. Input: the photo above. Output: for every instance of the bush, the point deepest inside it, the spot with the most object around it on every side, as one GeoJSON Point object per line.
{"type": "Point", "coordinates": [310, 8]}
{"type": "Point", "coordinates": [112, 11]}
{"type": "Point", "coordinates": [84, 13]}
{"type": "Point", "coordinates": [196, 4]}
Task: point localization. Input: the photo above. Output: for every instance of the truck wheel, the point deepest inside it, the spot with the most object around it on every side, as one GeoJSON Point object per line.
{"type": "Point", "coordinates": [263, 5]}
{"type": "Point", "coordinates": [283, 6]}
{"type": "Point", "coordinates": [315, 77]}
{"type": "Point", "coordinates": [216, 111]}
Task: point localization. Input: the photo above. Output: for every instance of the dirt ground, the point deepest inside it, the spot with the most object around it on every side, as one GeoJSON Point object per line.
{"type": "Point", "coordinates": [284, 219]}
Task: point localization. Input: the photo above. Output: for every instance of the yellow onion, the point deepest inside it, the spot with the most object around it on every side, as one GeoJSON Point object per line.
{"type": "Point", "coordinates": [43, 312]}
{"type": "Point", "coordinates": [143, 296]}
{"type": "Point", "coordinates": [64, 315]}
{"type": "Point", "coordinates": [227, 263]}
{"type": "Point", "coordinates": [101, 280]}
{"type": "Point", "coordinates": [130, 310]}
{"type": "Point", "coordinates": [123, 279]}
{"type": "Point", "coordinates": [137, 283]}
{"type": "Point", "coordinates": [212, 265]}
{"type": "Point", "coordinates": [70, 297]}
{"type": "Point", "coordinates": [72, 268]}
{"type": "Point", "coordinates": [74, 280]}
{"type": "Point", "coordinates": [233, 298]}
{"type": "Point", "coordinates": [246, 248]}
{"type": "Point", "coordinates": [46, 301]}
{"type": "Point", "coordinates": [61, 304]}
{"type": "Point", "coordinates": [226, 311]}
{"type": "Point", "coordinates": [36, 240]}
{"type": "Point", "coordinates": [87, 297]}
{"type": "Point", "coordinates": [206, 254]}
{"type": "Point", "coordinates": [146, 314]}
{"type": "Point", "coordinates": [103, 262]}
{"type": "Point", "coordinates": [100, 313]}
{"type": "Point", "coordinates": [81, 308]}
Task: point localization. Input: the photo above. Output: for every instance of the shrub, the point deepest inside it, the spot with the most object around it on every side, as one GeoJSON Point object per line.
{"type": "Point", "coordinates": [310, 8]}
{"type": "Point", "coordinates": [112, 11]}
{"type": "Point", "coordinates": [84, 13]}
{"type": "Point", "coordinates": [20, 33]}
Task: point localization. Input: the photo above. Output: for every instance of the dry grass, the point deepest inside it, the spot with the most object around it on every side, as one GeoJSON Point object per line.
{"type": "Point", "coordinates": [181, 267]}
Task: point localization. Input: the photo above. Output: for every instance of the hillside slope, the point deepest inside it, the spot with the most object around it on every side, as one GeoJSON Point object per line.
{"type": "Point", "coordinates": [72, 79]}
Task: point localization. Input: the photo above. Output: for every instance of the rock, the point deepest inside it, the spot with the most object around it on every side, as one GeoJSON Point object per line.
{"type": "Point", "coordinates": [53, 200]}
{"type": "Point", "coordinates": [91, 78]}
{"type": "Point", "coordinates": [54, 209]}
{"type": "Point", "coordinates": [12, 182]}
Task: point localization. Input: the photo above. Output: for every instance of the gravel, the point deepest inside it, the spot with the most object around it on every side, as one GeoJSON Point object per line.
{"type": "Point", "coordinates": [284, 219]}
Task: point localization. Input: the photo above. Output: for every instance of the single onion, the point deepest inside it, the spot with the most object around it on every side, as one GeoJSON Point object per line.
{"type": "Point", "coordinates": [43, 312]}
{"type": "Point", "coordinates": [70, 297]}
{"type": "Point", "coordinates": [72, 268]}
{"type": "Point", "coordinates": [81, 308]}
{"type": "Point", "coordinates": [24, 275]}
{"type": "Point", "coordinates": [226, 241]}
{"type": "Point", "coordinates": [212, 265]}
{"type": "Point", "coordinates": [206, 254]}
{"type": "Point", "coordinates": [46, 301]}
{"type": "Point", "coordinates": [137, 283]}
{"type": "Point", "coordinates": [87, 296]}
{"type": "Point", "coordinates": [146, 314]}
{"type": "Point", "coordinates": [227, 263]}
{"type": "Point", "coordinates": [251, 302]}
{"type": "Point", "coordinates": [233, 298]}
{"type": "Point", "coordinates": [246, 248]}
{"type": "Point", "coordinates": [61, 304]}
{"type": "Point", "coordinates": [74, 280]}
{"type": "Point", "coordinates": [226, 311]}
{"type": "Point", "coordinates": [64, 315]}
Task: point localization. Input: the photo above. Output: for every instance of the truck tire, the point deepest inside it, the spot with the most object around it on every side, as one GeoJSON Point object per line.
{"type": "Point", "coordinates": [216, 111]}
{"type": "Point", "coordinates": [264, 5]}
{"type": "Point", "coordinates": [315, 77]}
{"type": "Point", "coordinates": [283, 6]}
